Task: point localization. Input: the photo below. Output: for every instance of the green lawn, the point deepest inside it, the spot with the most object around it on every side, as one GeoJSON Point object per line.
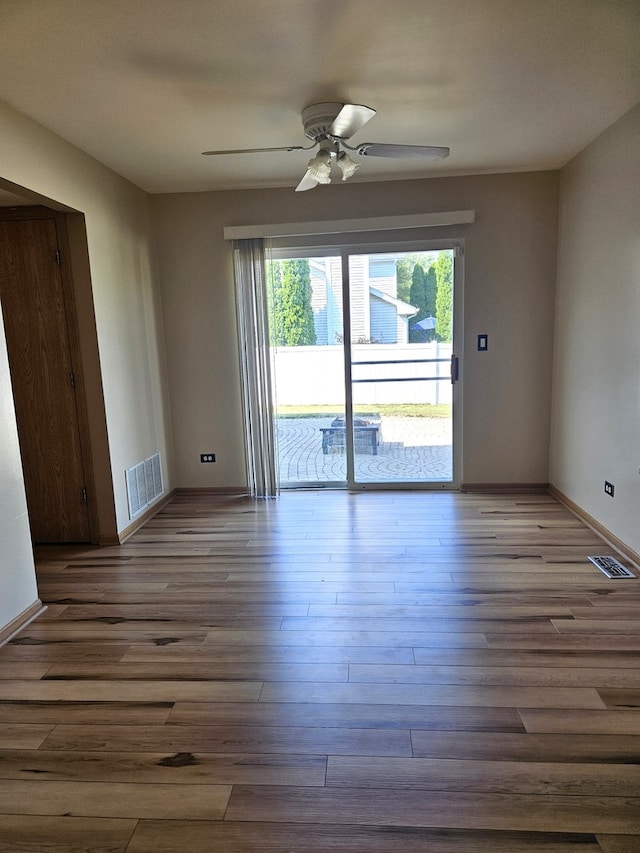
{"type": "Point", "coordinates": [396, 410]}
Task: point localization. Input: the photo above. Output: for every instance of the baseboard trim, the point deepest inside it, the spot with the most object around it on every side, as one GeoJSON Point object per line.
{"type": "Point", "coordinates": [108, 541]}
{"type": "Point", "coordinates": [506, 488]}
{"type": "Point", "coordinates": [238, 491]}
{"type": "Point", "coordinates": [135, 525]}
{"type": "Point", "coordinates": [16, 625]}
{"type": "Point", "coordinates": [610, 538]}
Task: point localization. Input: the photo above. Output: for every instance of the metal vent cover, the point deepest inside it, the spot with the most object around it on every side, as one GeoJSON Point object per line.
{"type": "Point", "coordinates": [144, 484]}
{"type": "Point", "coordinates": [610, 567]}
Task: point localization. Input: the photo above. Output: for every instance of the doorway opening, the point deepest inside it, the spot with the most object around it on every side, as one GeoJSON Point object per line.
{"type": "Point", "coordinates": [49, 326]}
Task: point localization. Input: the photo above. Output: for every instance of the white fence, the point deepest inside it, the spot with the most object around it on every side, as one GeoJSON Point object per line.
{"type": "Point", "coordinates": [315, 375]}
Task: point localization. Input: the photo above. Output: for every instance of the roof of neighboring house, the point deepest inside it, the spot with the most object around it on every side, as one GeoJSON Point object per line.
{"type": "Point", "coordinates": [401, 307]}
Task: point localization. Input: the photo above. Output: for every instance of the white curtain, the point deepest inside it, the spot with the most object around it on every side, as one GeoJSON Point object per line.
{"type": "Point", "coordinates": [255, 367]}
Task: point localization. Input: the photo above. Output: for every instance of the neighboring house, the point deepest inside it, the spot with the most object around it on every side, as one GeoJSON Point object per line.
{"type": "Point", "coordinates": [389, 317]}
{"type": "Point", "coordinates": [326, 299]}
{"type": "Point", "coordinates": [376, 312]}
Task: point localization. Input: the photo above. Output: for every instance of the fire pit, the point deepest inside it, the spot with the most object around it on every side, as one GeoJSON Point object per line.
{"type": "Point", "coordinates": [366, 433]}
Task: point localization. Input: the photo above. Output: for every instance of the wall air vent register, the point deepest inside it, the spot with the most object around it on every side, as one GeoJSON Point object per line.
{"type": "Point", "coordinates": [144, 484]}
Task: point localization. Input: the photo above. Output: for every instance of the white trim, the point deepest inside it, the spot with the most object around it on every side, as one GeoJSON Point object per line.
{"type": "Point", "coordinates": [342, 226]}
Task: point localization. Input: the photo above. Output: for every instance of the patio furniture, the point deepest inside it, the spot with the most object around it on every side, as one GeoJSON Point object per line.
{"type": "Point", "coordinates": [366, 430]}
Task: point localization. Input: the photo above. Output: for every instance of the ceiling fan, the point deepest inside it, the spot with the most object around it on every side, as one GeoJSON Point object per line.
{"type": "Point", "coordinates": [329, 125]}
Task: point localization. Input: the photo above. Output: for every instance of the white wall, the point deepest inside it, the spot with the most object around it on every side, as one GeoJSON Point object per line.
{"type": "Point", "coordinates": [509, 295]}
{"type": "Point", "coordinates": [17, 575]}
{"type": "Point", "coordinates": [596, 400]}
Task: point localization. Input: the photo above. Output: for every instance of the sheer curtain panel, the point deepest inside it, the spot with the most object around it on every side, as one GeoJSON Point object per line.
{"type": "Point", "coordinates": [255, 366]}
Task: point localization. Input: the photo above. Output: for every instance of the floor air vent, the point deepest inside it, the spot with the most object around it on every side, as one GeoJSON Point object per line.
{"type": "Point", "coordinates": [144, 484]}
{"type": "Point", "coordinates": [610, 567]}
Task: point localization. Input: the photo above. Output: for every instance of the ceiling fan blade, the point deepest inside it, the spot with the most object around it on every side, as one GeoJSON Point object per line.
{"type": "Point", "coordinates": [402, 152]}
{"type": "Point", "coordinates": [308, 182]}
{"type": "Point", "coordinates": [259, 150]}
{"type": "Point", "coordinates": [350, 119]}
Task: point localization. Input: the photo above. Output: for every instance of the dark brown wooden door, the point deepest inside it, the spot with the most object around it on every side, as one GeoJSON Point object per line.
{"type": "Point", "coordinates": [35, 320]}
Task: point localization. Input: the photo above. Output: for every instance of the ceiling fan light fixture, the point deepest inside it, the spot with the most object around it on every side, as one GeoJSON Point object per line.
{"type": "Point", "coordinates": [320, 167]}
{"type": "Point", "coordinates": [347, 165]}
{"type": "Point", "coordinates": [329, 125]}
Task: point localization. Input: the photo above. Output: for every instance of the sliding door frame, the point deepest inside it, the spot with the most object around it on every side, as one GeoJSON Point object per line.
{"type": "Point", "coordinates": [292, 247]}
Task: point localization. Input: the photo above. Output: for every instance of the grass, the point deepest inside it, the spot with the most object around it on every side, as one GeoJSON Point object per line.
{"type": "Point", "coordinates": [390, 410]}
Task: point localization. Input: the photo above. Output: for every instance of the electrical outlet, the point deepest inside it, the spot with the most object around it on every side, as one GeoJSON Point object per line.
{"type": "Point", "coordinates": [207, 457]}
{"type": "Point", "coordinates": [609, 488]}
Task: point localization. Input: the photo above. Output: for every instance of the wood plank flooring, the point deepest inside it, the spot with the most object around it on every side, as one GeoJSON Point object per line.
{"type": "Point", "coordinates": [385, 672]}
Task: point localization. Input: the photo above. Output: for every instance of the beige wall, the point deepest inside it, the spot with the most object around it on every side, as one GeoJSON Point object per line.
{"type": "Point", "coordinates": [596, 400]}
{"type": "Point", "coordinates": [127, 320]}
{"type": "Point", "coordinates": [509, 294]}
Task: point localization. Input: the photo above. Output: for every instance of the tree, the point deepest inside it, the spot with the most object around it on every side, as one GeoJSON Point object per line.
{"type": "Point", "coordinates": [444, 296]}
{"type": "Point", "coordinates": [431, 290]}
{"type": "Point", "coordinates": [404, 269]}
{"type": "Point", "coordinates": [417, 297]}
{"type": "Point", "coordinates": [274, 301]}
{"type": "Point", "coordinates": [404, 273]}
{"type": "Point", "coordinates": [423, 296]}
{"type": "Point", "coordinates": [291, 315]}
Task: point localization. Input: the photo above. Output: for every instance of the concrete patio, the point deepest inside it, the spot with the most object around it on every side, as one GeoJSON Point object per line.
{"type": "Point", "coordinates": [410, 450]}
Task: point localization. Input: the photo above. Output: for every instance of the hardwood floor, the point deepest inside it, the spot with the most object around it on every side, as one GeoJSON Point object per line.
{"type": "Point", "coordinates": [385, 672]}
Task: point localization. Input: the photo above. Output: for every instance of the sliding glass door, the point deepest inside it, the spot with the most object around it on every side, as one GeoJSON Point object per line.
{"type": "Point", "coordinates": [401, 348]}
{"type": "Point", "coordinates": [306, 334]}
{"type": "Point", "coordinates": [363, 358]}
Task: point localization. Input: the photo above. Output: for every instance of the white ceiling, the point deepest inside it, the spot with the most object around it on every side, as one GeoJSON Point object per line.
{"type": "Point", "coordinates": [145, 86]}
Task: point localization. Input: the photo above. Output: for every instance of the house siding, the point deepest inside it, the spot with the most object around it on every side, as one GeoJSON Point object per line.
{"type": "Point", "coordinates": [384, 321]}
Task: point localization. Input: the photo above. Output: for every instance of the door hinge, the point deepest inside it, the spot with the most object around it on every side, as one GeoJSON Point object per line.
{"type": "Point", "coordinates": [84, 495]}
{"type": "Point", "coordinates": [72, 380]}
{"type": "Point", "coordinates": [58, 257]}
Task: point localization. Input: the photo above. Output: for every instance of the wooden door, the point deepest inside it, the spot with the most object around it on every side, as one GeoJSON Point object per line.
{"type": "Point", "coordinates": [36, 321]}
